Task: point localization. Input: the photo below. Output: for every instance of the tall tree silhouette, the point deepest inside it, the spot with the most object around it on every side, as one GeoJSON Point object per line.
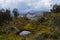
{"type": "Point", "coordinates": [1, 16]}
{"type": "Point", "coordinates": [15, 11]}
{"type": "Point", "coordinates": [56, 8]}
{"type": "Point", "coordinates": [7, 14]}
{"type": "Point", "coordinates": [4, 15]}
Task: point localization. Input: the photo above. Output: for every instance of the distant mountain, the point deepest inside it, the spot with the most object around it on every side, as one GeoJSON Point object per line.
{"type": "Point", "coordinates": [32, 16]}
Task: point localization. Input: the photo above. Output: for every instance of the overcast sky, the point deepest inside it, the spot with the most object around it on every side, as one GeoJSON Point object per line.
{"type": "Point", "coordinates": [28, 5]}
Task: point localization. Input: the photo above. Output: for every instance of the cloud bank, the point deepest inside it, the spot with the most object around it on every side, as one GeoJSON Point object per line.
{"type": "Point", "coordinates": [28, 5]}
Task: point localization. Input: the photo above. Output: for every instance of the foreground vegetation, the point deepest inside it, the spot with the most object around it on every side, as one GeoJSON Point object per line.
{"type": "Point", "coordinates": [45, 28]}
